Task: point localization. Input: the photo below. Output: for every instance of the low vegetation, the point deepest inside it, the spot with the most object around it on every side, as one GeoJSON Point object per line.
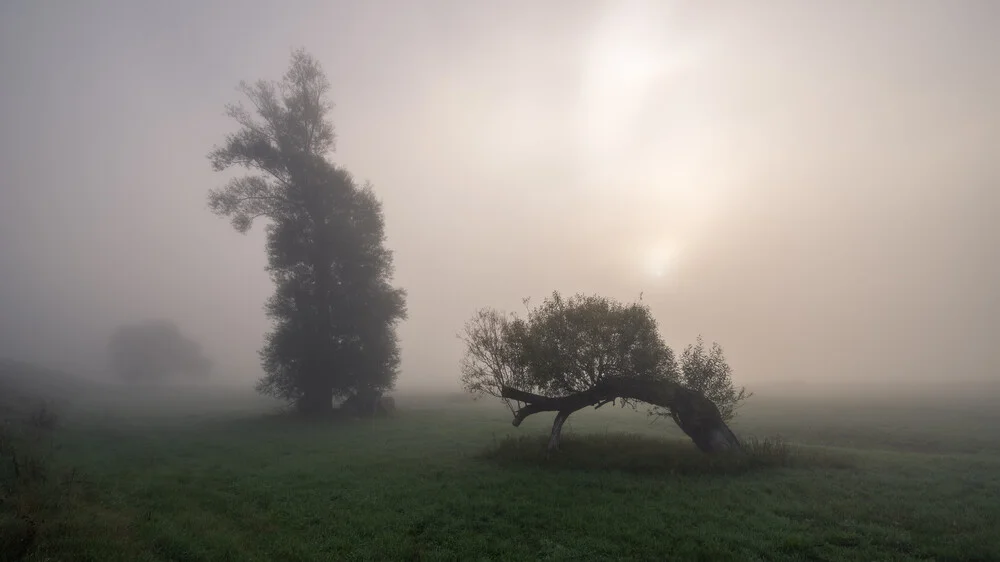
{"type": "Point", "coordinates": [34, 487]}
{"type": "Point", "coordinates": [213, 477]}
{"type": "Point", "coordinates": [645, 454]}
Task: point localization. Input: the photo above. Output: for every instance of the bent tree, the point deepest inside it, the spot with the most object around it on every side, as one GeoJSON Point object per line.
{"type": "Point", "coordinates": [334, 310]}
{"type": "Point", "coordinates": [582, 351]}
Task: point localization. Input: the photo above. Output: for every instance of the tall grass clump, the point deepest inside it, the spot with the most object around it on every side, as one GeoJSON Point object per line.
{"type": "Point", "coordinates": [32, 489]}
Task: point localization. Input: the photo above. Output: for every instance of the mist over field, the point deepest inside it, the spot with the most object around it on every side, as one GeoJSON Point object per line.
{"type": "Point", "coordinates": [459, 280]}
{"type": "Point", "coordinates": [812, 186]}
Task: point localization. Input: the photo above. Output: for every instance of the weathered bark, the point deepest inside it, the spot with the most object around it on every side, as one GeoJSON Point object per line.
{"type": "Point", "coordinates": [696, 415]}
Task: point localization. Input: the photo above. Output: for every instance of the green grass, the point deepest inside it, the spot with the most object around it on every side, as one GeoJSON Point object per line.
{"type": "Point", "coordinates": [212, 476]}
{"type": "Point", "coordinates": [644, 454]}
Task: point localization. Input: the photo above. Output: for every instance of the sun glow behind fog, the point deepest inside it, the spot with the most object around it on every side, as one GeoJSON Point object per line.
{"type": "Point", "coordinates": [660, 260]}
{"type": "Point", "coordinates": [622, 61]}
{"type": "Point", "coordinates": [617, 78]}
{"type": "Point", "coordinates": [630, 66]}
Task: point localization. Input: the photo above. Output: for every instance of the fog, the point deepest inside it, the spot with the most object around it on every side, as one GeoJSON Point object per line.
{"type": "Point", "coordinates": [813, 185]}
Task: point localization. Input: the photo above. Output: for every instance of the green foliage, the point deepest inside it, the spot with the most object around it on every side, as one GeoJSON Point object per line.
{"type": "Point", "coordinates": [563, 346]}
{"type": "Point", "coordinates": [334, 311]}
{"type": "Point", "coordinates": [571, 345]}
{"type": "Point", "coordinates": [155, 350]}
{"type": "Point", "coordinates": [710, 374]}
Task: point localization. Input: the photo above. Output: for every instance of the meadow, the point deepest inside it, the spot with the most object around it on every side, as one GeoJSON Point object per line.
{"type": "Point", "coordinates": [218, 474]}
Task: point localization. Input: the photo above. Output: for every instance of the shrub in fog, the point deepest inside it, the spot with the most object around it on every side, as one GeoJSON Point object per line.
{"type": "Point", "coordinates": [155, 350]}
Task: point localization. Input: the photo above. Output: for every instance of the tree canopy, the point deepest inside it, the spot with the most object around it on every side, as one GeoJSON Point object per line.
{"type": "Point", "coordinates": [709, 373]}
{"type": "Point", "coordinates": [155, 350]}
{"type": "Point", "coordinates": [334, 310]}
{"type": "Point", "coordinates": [570, 353]}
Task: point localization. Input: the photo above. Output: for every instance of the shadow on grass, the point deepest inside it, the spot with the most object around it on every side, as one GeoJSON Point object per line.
{"type": "Point", "coordinates": [649, 455]}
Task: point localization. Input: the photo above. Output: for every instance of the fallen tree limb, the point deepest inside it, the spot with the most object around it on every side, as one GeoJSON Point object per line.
{"type": "Point", "coordinates": [696, 415]}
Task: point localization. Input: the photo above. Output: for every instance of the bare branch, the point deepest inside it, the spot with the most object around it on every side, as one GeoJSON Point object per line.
{"type": "Point", "coordinates": [245, 198]}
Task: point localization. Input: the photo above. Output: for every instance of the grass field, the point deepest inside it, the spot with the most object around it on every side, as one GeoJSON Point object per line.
{"type": "Point", "coordinates": [215, 475]}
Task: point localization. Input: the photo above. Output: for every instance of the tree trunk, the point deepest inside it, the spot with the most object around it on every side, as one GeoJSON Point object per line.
{"type": "Point", "coordinates": [557, 429]}
{"type": "Point", "coordinates": [317, 401]}
{"type": "Point", "coordinates": [365, 403]}
{"type": "Point", "coordinates": [696, 415]}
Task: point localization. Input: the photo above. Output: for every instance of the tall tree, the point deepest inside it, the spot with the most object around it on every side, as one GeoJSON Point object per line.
{"type": "Point", "coordinates": [334, 310]}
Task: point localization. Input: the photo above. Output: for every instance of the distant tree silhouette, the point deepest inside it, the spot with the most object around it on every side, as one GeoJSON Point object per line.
{"type": "Point", "coordinates": [153, 351]}
{"type": "Point", "coordinates": [334, 310]}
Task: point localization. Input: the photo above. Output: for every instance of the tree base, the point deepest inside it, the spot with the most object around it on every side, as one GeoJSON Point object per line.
{"type": "Point", "coordinates": [316, 404]}
{"type": "Point", "coordinates": [368, 404]}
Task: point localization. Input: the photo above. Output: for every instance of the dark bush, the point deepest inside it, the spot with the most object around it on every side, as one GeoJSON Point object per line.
{"type": "Point", "coordinates": [42, 417]}
{"type": "Point", "coordinates": [652, 455]}
{"type": "Point", "coordinates": [33, 490]}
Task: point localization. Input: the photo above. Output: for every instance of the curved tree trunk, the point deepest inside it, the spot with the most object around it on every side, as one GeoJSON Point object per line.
{"type": "Point", "coordinates": [696, 415]}
{"type": "Point", "coordinates": [557, 429]}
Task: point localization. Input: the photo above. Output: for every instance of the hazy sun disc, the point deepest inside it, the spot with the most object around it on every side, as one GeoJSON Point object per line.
{"type": "Point", "coordinates": [661, 260]}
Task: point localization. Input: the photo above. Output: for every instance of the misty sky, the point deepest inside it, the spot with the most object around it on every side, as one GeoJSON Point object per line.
{"type": "Point", "coordinates": [815, 185]}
